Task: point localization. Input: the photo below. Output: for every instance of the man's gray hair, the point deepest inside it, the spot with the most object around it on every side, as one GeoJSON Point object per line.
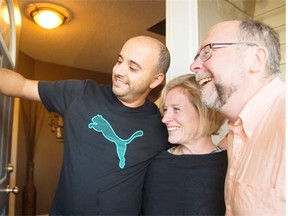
{"type": "Point", "coordinates": [262, 34]}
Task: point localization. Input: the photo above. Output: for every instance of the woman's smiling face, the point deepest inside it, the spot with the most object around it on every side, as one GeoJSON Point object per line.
{"type": "Point", "coordinates": [180, 117]}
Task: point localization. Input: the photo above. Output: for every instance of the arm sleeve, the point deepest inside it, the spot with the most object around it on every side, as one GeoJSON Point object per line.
{"type": "Point", "coordinates": [57, 96]}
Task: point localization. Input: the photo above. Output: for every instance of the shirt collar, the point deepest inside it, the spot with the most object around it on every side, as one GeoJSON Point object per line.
{"type": "Point", "coordinates": [258, 105]}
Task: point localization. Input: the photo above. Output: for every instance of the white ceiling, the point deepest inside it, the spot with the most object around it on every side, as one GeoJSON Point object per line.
{"type": "Point", "coordinates": [93, 34]}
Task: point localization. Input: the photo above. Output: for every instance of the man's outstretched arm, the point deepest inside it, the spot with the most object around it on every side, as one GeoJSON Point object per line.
{"type": "Point", "coordinates": [15, 85]}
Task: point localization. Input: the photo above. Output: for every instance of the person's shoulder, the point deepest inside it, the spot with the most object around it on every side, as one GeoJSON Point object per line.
{"type": "Point", "coordinates": [151, 105]}
{"type": "Point", "coordinates": [89, 83]}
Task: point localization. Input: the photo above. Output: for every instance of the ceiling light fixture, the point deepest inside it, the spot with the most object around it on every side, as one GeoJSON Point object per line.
{"type": "Point", "coordinates": [48, 16]}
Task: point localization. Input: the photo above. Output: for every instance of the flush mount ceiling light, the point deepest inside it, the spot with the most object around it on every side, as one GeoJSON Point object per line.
{"type": "Point", "coordinates": [48, 16]}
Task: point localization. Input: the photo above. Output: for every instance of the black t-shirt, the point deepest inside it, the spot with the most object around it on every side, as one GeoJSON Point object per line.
{"type": "Point", "coordinates": [185, 185]}
{"type": "Point", "coordinates": [107, 148]}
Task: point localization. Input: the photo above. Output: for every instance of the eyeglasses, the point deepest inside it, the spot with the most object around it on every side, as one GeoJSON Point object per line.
{"type": "Point", "coordinates": [206, 52]}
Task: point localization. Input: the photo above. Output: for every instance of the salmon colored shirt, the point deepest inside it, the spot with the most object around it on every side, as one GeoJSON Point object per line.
{"type": "Point", "coordinates": [255, 180]}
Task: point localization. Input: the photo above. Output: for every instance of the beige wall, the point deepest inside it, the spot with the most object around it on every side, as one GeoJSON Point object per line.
{"type": "Point", "coordinates": [27, 65]}
{"type": "Point", "coordinates": [273, 13]}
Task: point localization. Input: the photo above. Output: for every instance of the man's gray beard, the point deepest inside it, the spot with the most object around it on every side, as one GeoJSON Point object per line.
{"type": "Point", "coordinates": [215, 99]}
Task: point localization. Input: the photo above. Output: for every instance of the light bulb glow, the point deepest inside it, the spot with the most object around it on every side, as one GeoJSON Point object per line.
{"type": "Point", "coordinates": [16, 13]}
{"type": "Point", "coordinates": [6, 15]}
{"type": "Point", "coordinates": [48, 18]}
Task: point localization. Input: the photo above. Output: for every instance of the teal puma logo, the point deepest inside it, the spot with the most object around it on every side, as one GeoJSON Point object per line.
{"type": "Point", "coordinates": [101, 125]}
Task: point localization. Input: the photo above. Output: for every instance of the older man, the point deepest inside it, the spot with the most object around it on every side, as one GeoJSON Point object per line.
{"type": "Point", "coordinates": [237, 67]}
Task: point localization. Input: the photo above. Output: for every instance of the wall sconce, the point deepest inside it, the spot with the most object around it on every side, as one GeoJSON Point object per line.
{"type": "Point", "coordinates": [48, 16]}
{"type": "Point", "coordinates": [57, 126]}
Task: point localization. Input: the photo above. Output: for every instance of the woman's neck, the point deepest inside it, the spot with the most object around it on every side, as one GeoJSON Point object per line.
{"type": "Point", "coordinates": [201, 145]}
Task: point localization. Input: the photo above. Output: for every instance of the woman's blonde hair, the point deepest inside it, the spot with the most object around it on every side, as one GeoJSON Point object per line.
{"type": "Point", "coordinates": [210, 119]}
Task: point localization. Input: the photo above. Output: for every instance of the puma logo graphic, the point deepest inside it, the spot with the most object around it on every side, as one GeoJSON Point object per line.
{"type": "Point", "coordinates": [101, 125]}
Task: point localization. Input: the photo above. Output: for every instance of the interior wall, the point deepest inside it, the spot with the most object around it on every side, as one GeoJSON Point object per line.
{"type": "Point", "coordinates": [26, 66]}
{"type": "Point", "coordinates": [49, 72]}
{"type": "Point", "coordinates": [273, 13]}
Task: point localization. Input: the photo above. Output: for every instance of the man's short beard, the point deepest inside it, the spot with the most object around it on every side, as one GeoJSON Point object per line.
{"type": "Point", "coordinates": [214, 100]}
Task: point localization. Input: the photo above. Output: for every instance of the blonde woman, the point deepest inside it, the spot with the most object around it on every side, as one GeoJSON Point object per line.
{"type": "Point", "coordinates": [188, 179]}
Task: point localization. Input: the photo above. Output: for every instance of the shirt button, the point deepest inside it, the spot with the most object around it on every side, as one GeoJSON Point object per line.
{"type": "Point", "coordinates": [231, 173]}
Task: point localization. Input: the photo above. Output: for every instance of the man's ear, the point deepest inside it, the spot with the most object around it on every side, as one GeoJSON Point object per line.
{"type": "Point", "coordinates": [157, 80]}
{"type": "Point", "coordinates": [259, 60]}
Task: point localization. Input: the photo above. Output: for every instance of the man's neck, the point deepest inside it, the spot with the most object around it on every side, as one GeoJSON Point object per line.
{"type": "Point", "coordinates": [242, 96]}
